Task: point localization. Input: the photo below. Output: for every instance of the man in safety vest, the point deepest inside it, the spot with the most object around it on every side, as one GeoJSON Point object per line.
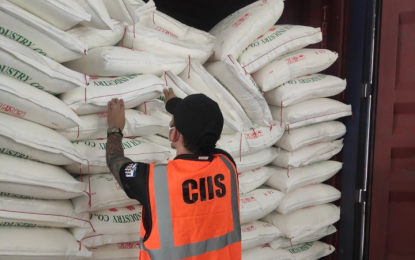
{"type": "Point", "coordinates": [190, 205]}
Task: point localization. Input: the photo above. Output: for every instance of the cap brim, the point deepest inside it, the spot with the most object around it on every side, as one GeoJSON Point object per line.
{"type": "Point", "coordinates": [172, 104]}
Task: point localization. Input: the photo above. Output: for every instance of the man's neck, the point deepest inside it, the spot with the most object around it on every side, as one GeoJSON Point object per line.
{"type": "Point", "coordinates": [182, 150]}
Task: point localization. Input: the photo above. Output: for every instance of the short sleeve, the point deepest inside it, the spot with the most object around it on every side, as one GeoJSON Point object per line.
{"type": "Point", "coordinates": [134, 179]}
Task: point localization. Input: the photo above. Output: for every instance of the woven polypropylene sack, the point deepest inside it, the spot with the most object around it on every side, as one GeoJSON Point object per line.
{"type": "Point", "coordinates": [235, 32]}
{"type": "Point", "coordinates": [38, 35]}
{"type": "Point", "coordinates": [277, 41]}
{"type": "Point", "coordinates": [43, 181]}
{"type": "Point", "coordinates": [40, 244]}
{"type": "Point", "coordinates": [28, 140]}
{"type": "Point", "coordinates": [293, 65]}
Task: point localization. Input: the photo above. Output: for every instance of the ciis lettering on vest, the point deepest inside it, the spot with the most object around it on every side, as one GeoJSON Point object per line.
{"type": "Point", "coordinates": [192, 188]}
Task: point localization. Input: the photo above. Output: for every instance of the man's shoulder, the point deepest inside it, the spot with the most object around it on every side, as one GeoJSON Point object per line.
{"type": "Point", "coordinates": [226, 154]}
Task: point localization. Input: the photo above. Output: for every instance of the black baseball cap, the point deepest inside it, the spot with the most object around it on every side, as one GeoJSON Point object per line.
{"type": "Point", "coordinates": [196, 116]}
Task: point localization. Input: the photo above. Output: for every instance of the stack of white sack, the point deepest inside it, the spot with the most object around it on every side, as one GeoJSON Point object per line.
{"type": "Point", "coordinates": [285, 77]}
{"type": "Point", "coordinates": [35, 193]}
{"type": "Point", "coordinates": [37, 127]}
{"type": "Point", "coordinates": [281, 104]}
{"type": "Point", "coordinates": [110, 226]}
{"type": "Point", "coordinates": [249, 144]}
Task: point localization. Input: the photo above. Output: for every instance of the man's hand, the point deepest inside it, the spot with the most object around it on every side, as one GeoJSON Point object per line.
{"type": "Point", "coordinates": [168, 94]}
{"type": "Point", "coordinates": [116, 113]}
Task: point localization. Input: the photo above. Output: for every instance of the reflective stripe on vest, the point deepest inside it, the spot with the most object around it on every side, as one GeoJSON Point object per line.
{"type": "Point", "coordinates": [167, 248]}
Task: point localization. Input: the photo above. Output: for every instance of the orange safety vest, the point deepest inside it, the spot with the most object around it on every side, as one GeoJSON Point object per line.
{"type": "Point", "coordinates": [194, 210]}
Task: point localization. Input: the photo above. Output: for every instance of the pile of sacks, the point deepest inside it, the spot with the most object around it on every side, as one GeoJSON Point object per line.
{"type": "Point", "coordinates": [62, 61]}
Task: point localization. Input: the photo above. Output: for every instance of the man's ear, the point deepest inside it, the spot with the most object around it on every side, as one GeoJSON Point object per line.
{"type": "Point", "coordinates": [219, 137]}
{"type": "Point", "coordinates": [176, 135]}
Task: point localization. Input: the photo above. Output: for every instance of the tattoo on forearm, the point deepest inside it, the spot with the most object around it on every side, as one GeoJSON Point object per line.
{"type": "Point", "coordinates": [115, 155]}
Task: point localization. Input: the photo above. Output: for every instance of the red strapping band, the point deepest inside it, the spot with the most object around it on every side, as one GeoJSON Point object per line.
{"type": "Point", "coordinates": [231, 59]}
{"type": "Point", "coordinates": [86, 81]}
{"type": "Point", "coordinates": [89, 187]}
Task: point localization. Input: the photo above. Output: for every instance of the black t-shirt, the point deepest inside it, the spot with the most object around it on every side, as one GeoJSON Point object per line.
{"type": "Point", "coordinates": [134, 178]}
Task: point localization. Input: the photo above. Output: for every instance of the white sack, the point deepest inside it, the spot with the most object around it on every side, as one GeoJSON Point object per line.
{"type": "Point", "coordinates": [100, 19]}
{"type": "Point", "coordinates": [133, 89]}
{"type": "Point", "coordinates": [308, 155]}
{"type": "Point", "coordinates": [258, 233]}
{"type": "Point", "coordinates": [258, 203]}
{"type": "Point", "coordinates": [299, 177]}
{"type": "Point", "coordinates": [45, 213]}
{"type": "Point", "coordinates": [277, 41]}
{"type": "Point", "coordinates": [231, 76]}
{"type": "Point", "coordinates": [38, 71]}
{"type": "Point", "coordinates": [235, 32]}
{"type": "Point", "coordinates": [156, 108]}
{"type": "Point", "coordinates": [311, 112]}
{"type": "Point", "coordinates": [305, 88]}
{"type": "Point", "coordinates": [40, 244]}
{"type": "Point", "coordinates": [251, 141]}
{"type": "Point", "coordinates": [163, 23]}
{"type": "Point", "coordinates": [24, 101]}
{"type": "Point", "coordinates": [24, 139]}
{"type": "Point", "coordinates": [105, 193]}
{"type": "Point", "coordinates": [59, 13]}
{"type": "Point", "coordinates": [38, 35]}
{"type": "Point", "coordinates": [302, 222]}
{"type": "Point", "coordinates": [114, 225]}
{"type": "Point", "coordinates": [312, 134]}
{"type": "Point", "coordinates": [13, 195]}
{"type": "Point", "coordinates": [310, 195]}
{"type": "Point", "coordinates": [182, 90]}
{"type": "Point", "coordinates": [119, 251]}
{"type": "Point", "coordinates": [196, 76]}
{"type": "Point", "coordinates": [146, 39]}
{"type": "Point", "coordinates": [142, 8]}
{"type": "Point", "coordinates": [250, 180]}
{"type": "Point", "coordinates": [42, 181]}
{"type": "Point", "coordinates": [311, 251]}
{"type": "Point", "coordinates": [122, 10]}
{"type": "Point", "coordinates": [164, 143]}
{"type": "Point", "coordinates": [159, 140]}
{"type": "Point", "coordinates": [265, 252]}
{"type": "Point", "coordinates": [293, 65]}
{"type": "Point", "coordinates": [95, 38]}
{"type": "Point", "coordinates": [118, 61]}
{"type": "Point", "coordinates": [136, 149]}
{"type": "Point", "coordinates": [283, 242]}
{"type": "Point", "coordinates": [249, 162]}
{"type": "Point", "coordinates": [95, 126]}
